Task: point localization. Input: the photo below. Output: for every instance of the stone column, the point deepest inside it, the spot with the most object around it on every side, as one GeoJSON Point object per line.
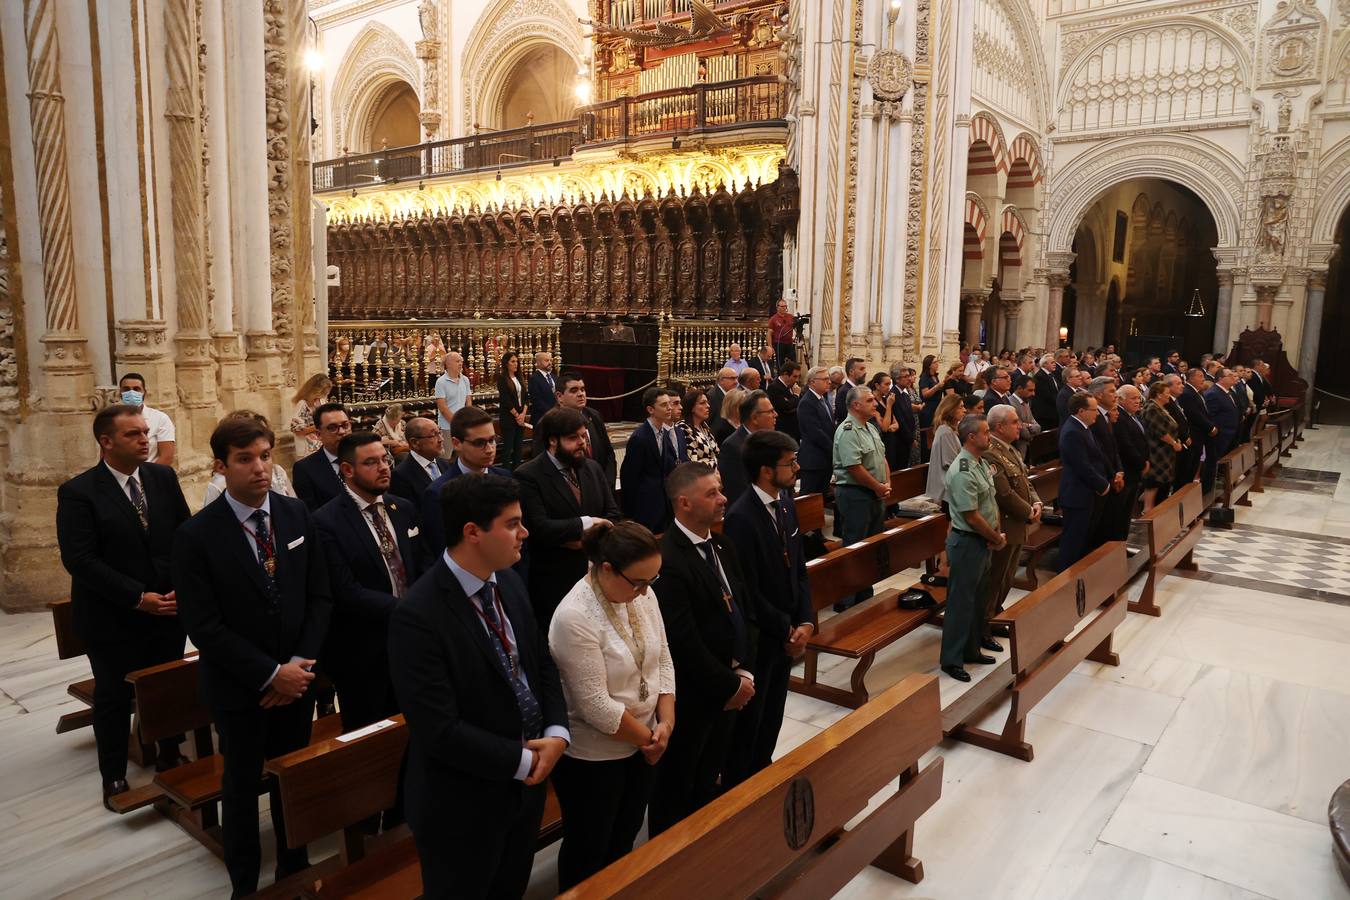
{"type": "Point", "coordinates": [1265, 304]}
{"type": "Point", "coordinates": [1223, 312]}
{"type": "Point", "coordinates": [300, 87]}
{"type": "Point", "coordinates": [1058, 280]}
{"type": "Point", "coordinates": [1309, 341]}
{"type": "Point", "coordinates": [1012, 310]}
{"type": "Point", "coordinates": [972, 310]}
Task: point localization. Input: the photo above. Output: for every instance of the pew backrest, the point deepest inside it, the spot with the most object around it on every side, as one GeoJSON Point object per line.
{"type": "Point", "coordinates": [1043, 447]}
{"type": "Point", "coordinates": [861, 565]}
{"type": "Point", "coordinates": [1043, 618]}
{"type": "Point", "coordinates": [810, 512]}
{"type": "Point", "coordinates": [68, 643]}
{"type": "Point", "coordinates": [1046, 483]}
{"type": "Point", "coordinates": [1237, 465]}
{"type": "Point", "coordinates": [907, 483]}
{"type": "Point", "coordinates": [168, 700]}
{"type": "Point", "coordinates": [1173, 516]}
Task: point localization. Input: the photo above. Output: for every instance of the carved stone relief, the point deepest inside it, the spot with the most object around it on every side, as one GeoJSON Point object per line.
{"type": "Point", "coordinates": [1291, 45]}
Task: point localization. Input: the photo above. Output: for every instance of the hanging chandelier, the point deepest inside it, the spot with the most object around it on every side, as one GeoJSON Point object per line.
{"type": "Point", "coordinates": [1197, 308]}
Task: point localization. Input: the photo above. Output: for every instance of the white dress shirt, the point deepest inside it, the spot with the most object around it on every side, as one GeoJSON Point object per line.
{"type": "Point", "coordinates": [428, 465]}
{"type": "Point", "coordinates": [123, 479]}
{"type": "Point", "coordinates": [243, 513]}
{"type": "Point", "coordinates": [161, 429]}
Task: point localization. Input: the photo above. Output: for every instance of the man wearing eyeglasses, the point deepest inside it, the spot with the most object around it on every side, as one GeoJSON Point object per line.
{"type": "Point", "coordinates": [423, 463]}
{"type": "Point", "coordinates": [316, 477]}
{"type": "Point", "coordinates": [474, 440]}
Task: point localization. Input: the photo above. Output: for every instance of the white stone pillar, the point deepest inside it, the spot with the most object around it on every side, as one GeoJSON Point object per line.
{"type": "Point", "coordinates": [1312, 325]}
{"type": "Point", "coordinates": [1223, 310]}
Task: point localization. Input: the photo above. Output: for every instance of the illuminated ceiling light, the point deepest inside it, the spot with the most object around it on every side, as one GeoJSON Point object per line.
{"type": "Point", "coordinates": [1197, 308]}
{"type": "Point", "coordinates": [583, 91]}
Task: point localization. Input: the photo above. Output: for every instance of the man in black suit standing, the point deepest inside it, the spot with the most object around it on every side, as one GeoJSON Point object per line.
{"type": "Point", "coordinates": [763, 523]}
{"type": "Point", "coordinates": [572, 395]}
{"type": "Point", "coordinates": [1075, 382]}
{"type": "Point", "coordinates": [316, 477]}
{"type": "Point", "coordinates": [1084, 481]}
{"type": "Point", "coordinates": [475, 443]}
{"type": "Point", "coordinates": [1132, 443]}
{"type": "Point", "coordinates": [757, 414]}
{"type": "Point", "coordinates": [484, 704]}
{"type": "Point", "coordinates": [654, 449]}
{"type": "Point", "coordinates": [115, 525]}
{"type": "Point", "coordinates": [1176, 385]}
{"type": "Point", "coordinates": [708, 609]}
{"type": "Point", "coordinates": [764, 365]}
{"type": "Point", "coordinates": [253, 594]}
{"type": "Point", "coordinates": [1263, 392]}
{"type": "Point", "coordinates": [1114, 515]}
{"type": "Point", "coordinates": [372, 546]}
{"type": "Point", "coordinates": [815, 419]}
{"type": "Point", "coordinates": [784, 394]}
{"type": "Point", "coordinates": [1000, 387]}
{"type": "Point", "coordinates": [422, 464]}
{"type": "Point", "coordinates": [1203, 430]}
{"type": "Point", "coordinates": [1224, 411]}
{"type": "Point", "coordinates": [1048, 384]}
{"type": "Point", "coordinates": [855, 375]}
{"type": "Point", "coordinates": [543, 385]}
{"type": "Point", "coordinates": [562, 493]}
{"type": "Point", "coordinates": [1170, 367]}
{"type": "Point", "coordinates": [902, 379]}
{"type": "Point", "coordinates": [725, 384]}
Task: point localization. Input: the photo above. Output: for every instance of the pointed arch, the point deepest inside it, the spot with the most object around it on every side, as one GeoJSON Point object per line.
{"type": "Point", "coordinates": [505, 33]}
{"type": "Point", "coordinates": [984, 127]}
{"type": "Point", "coordinates": [376, 60]}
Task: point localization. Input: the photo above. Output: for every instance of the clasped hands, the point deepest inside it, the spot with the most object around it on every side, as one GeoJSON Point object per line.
{"type": "Point", "coordinates": [159, 604]}
{"type": "Point", "coordinates": [546, 752]}
{"type": "Point", "coordinates": [289, 684]}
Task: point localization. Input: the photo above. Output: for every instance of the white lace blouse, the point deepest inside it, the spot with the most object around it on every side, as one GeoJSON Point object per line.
{"type": "Point", "coordinates": [600, 678]}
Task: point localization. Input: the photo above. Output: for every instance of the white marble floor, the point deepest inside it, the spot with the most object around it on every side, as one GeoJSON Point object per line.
{"type": "Point", "coordinates": [1200, 767]}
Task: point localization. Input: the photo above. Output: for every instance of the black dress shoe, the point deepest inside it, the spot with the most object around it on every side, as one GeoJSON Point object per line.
{"type": "Point", "coordinates": [981, 659]}
{"type": "Point", "coordinates": [165, 763]}
{"type": "Point", "coordinates": [999, 631]}
{"type": "Point", "coordinates": [957, 672]}
{"type": "Point", "coordinates": [991, 645]}
{"type": "Point", "coordinates": [112, 789]}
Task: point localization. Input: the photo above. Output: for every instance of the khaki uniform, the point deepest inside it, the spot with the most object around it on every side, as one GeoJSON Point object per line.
{"type": "Point", "coordinates": [1015, 495]}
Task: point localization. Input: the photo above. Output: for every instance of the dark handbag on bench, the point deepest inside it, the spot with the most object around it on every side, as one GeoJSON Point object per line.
{"type": "Point", "coordinates": [916, 598]}
{"type": "Point", "coordinates": [1049, 518]}
{"type": "Point", "coordinates": [933, 580]}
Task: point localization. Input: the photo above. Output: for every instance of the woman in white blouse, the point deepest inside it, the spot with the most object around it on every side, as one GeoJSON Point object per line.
{"type": "Point", "coordinates": [609, 644]}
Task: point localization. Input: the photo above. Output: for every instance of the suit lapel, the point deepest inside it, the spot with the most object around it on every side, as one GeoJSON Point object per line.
{"type": "Point", "coordinates": [357, 524]}
{"type": "Point", "coordinates": [399, 522]}
{"type": "Point", "coordinates": [237, 541]}
{"type": "Point", "coordinates": [119, 498]}
{"type": "Point", "coordinates": [461, 607]}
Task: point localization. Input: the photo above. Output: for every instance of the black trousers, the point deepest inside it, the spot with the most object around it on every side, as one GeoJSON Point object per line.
{"type": "Point", "coordinates": [757, 725]}
{"type": "Point", "coordinates": [474, 855]}
{"type": "Point", "coordinates": [1080, 527]}
{"type": "Point", "coordinates": [111, 661]}
{"type": "Point", "coordinates": [815, 481]}
{"type": "Point", "coordinates": [784, 352]}
{"type": "Point", "coordinates": [247, 738]}
{"type": "Point", "coordinates": [687, 778]}
{"type": "Point", "coordinates": [1129, 500]}
{"type": "Point", "coordinates": [603, 804]}
{"type": "Point", "coordinates": [1188, 464]}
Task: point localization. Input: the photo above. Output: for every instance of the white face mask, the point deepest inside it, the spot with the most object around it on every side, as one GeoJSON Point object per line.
{"type": "Point", "coordinates": [133, 398]}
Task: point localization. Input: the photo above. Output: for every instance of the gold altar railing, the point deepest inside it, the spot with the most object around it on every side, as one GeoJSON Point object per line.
{"type": "Point", "coordinates": [698, 348]}
{"type": "Point", "coordinates": [378, 363]}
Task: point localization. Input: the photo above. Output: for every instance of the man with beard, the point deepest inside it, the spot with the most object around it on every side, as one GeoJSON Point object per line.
{"type": "Point", "coordinates": [572, 395]}
{"type": "Point", "coordinates": [562, 494]}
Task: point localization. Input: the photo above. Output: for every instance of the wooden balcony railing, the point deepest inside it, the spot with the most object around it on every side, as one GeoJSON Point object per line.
{"type": "Point", "coordinates": [705, 107]}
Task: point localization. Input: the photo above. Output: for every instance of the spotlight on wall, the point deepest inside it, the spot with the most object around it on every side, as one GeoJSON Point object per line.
{"type": "Point", "coordinates": [583, 90]}
{"type": "Point", "coordinates": [314, 61]}
{"type": "Point", "coordinates": [893, 11]}
{"type": "Point", "coordinates": [1064, 334]}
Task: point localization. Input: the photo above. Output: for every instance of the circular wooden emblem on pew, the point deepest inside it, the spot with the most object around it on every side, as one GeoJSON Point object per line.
{"type": "Point", "coordinates": [799, 813]}
{"type": "Point", "coordinates": [1080, 598]}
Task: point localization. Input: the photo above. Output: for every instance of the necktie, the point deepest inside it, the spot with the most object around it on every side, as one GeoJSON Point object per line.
{"type": "Point", "coordinates": [389, 550]}
{"type": "Point", "coordinates": [267, 554]}
{"type": "Point", "coordinates": [571, 478]}
{"type": "Point", "coordinates": [138, 501]}
{"type": "Point", "coordinates": [780, 521]}
{"type": "Point", "coordinates": [432, 471]}
{"type": "Point", "coordinates": [531, 716]}
{"type": "Point", "coordinates": [738, 636]}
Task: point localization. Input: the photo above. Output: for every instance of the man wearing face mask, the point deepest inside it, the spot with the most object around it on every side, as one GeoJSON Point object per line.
{"type": "Point", "coordinates": [162, 437]}
{"type": "Point", "coordinates": [562, 494]}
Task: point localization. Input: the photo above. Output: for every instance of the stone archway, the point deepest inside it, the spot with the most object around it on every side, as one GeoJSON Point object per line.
{"type": "Point", "coordinates": [507, 32]}
{"type": "Point", "coordinates": [377, 62]}
{"type": "Point", "coordinates": [1331, 372]}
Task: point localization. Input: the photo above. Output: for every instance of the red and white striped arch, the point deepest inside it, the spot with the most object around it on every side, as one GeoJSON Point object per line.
{"type": "Point", "coordinates": [1011, 223]}
{"type": "Point", "coordinates": [988, 152]}
{"type": "Point", "coordinates": [1029, 174]}
{"type": "Point", "coordinates": [977, 226]}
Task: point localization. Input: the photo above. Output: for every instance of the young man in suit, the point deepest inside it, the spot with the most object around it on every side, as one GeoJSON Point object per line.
{"type": "Point", "coordinates": [572, 395]}
{"type": "Point", "coordinates": [475, 443]}
{"type": "Point", "coordinates": [114, 526]}
{"type": "Point", "coordinates": [815, 419]}
{"type": "Point", "coordinates": [1114, 515]}
{"type": "Point", "coordinates": [543, 385]}
{"type": "Point", "coordinates": [855, 375]}
{"type": "Point", "coordinates": [1084, 481]}
{"type": "Point", "coordinates": [316, 477]}
{"type": "Point", "coordinates": [484, 704]}
{"type": "Point", "coordinates": [562, 493]}
{"type": "Point", "coordinates": [372, 546]}
{"type": "Point", "coordinates": [254, 597]}
{"type": "Point", "coordinates": [1171, 367]}
{"type": "Point", "coordinates": [763, 523]}
{"type": "Point", "coordinates": [1225, 413]}
{"type": "Point", "coordinates": [757, 414]}
{"type": "Point", "coordinates": [708, 609]}
{"type": "Point", "coordinates": [654, 449]}
{"type": "Point", "coordinates": [785, 395]}
{"type": "Point", "coordinates": [422, 464]}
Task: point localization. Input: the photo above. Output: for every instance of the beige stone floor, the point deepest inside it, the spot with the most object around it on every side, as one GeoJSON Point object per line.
{"type": "Point", "coordinates": [1199, 768]}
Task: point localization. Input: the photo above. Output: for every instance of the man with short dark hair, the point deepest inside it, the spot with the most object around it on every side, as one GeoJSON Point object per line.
{"type": "Point", "coordinates": [562, 494]}
{"type": "Point", "coordinates": [1168, 368]}
{"type": "Point", "coordinates": [423, 462]}
{"type": "Point", "coordinates": [654, 449]}
{"type": "Point", "coordinates": [1203, 430]}
{"type": "Point", "coordinates": [572, 395]}
{"type": "Point", "coordinates": [253, 594]}
{"type": "Point", "coordinates": [114, 527]}
{"type": "Point", "coordinates": [1084, 480]}
{"type": "Point", "coordinates": [474, 440]}
{"type": "Point", "coordinates": [1226, 415]}
{"type": "Point", "coordinates": [763, 524]}
{"type": "Point", "coordinates": [784, 393]}
{"type": "Point", "coordinates": [757, 414]}
{"type": "Point", "coordinates": [486, 716]}
{"type": "Point", "coordinates": [163, 442]}
{"type": "Point", "coordinates": [1000, 386]}
{"type": "Point", "coordinates": [316, 477]}
{"type": "Point", "coordinates": [855, 375]}
{"type": "Point", "coordinates": [1023, 393]}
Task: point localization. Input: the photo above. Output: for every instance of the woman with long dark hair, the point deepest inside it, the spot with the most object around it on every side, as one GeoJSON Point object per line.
{"type": "Point", "coordinates": [699, 440]}
{"type": "Point", "coordinates": [512, 407]}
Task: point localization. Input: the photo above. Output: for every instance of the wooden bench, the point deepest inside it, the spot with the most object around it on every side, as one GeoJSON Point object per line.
{"type": "Point", "coordinates": [1237, 475]}
{"type": "Point", "coordinates": [1043, 448]}
{"type": "Point", "coordinates": [1043, 536]}
{"type": "Point", "coordinates": [1043, 647]}
{"type": "Point", "coordinates": [1266, 441]}
{"type": "Point", "coordinates": [367, 764]}
{"type": "Point", "coordinates": [1173, 528]}
{"type": "Point", "coordinates": [782, 832]}
{"type": "Point", "coordinates": [69, 646]}
{"type": "Point", "coordinates": [859, 633]}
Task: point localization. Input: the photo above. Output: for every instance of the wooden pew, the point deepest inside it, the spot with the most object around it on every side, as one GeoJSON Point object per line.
{"type": "Point", "coordinates": [730, 848]}
{"type": "Point", "coordinates": [907, 483]}
{"type": "Point", "coordinates": [1266, 440]}
{"type": "Point", "coordinates": [1173, 528]}
{"type": "Point", "coordinates": [69, 646]}
{"type": "Point", "coordinates": [1043, 648]}
{"type": "Point", "coordinates": [1237, 474]}
{"type": "Point", "coordinates": [1043, 447]}
{"type": "Point", "coordinates": [810, 512]}
{"type": "Point", "coordinates": [1042, 536]}
{"type": "Point", "coordinates": [859, 633]}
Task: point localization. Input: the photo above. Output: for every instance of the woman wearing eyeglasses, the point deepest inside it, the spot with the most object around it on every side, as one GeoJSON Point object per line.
{"type": "Point", "coordinates": [609, 643]}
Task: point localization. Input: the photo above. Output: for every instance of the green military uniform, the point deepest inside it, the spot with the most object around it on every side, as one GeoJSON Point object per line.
{"type": "Point", "coordinates": [969, 486]}
{"type": "Point", "coordinates": [1016, 497]}
{"type": "Point", "coordinates": [858, 510]}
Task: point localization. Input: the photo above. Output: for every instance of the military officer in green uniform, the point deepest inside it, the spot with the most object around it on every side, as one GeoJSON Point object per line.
{"type": "Point", "coordinates": [1018, 508]}
{"type": "Point", "coordinates": [973, 537]}
{"type": "Point", "coordinates": [861, 477]}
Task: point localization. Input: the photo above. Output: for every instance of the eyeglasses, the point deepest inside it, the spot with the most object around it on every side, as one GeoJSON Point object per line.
{"type": "Point", "coordinates": [790, 464]}
{"type": "Point", "coordinates": [639, 585]}
{"type": "Point", "coordinates": [480, 443]}
{"type": "Point", "coordinates": [337, 427]}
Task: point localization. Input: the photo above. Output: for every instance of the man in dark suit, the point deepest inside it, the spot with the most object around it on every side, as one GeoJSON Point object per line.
{"type": "Point", "coordinates": [785, 396]}
{"type": "Point", "coordinates": [1242, 393]}
{"type": "Point", "coordinates": [815, 420]}
{"type": "Point", "coordinates": [316, 477]}
{"type": "Point", "coordinates": [654, 449]}
{"type": "Point", "coordinates": [475, 443]}
{"type": "Point", "coordinates": [543, 385]}
{"type": "Point", "coordinates": [708, 609]}
{"type": "Point", "coordinates": [371, 541]}
{"type": "Point", "coordinates": [902, 379]}
{"type": "Point", "coordinates": [484, 704]}
{"type": "Point", "coordinates": [725, 384]}
{"type": "Point", "coordinates": [1084, 481]}
{"type": "Point", "coordinates": [763, 523]}
{"type": "Point", "coordinates": [1048, 385]}
{"type": "Point", "coordinates": [1114, 516]}
{"type": "Point", "coordinates": [1170, 367]}
{"type": "Point", "coordinates": [1263, 392]}
{"type": "Point", "coordinates": [562, 494]}
{"type": "Point", "coordinates": [1203, 429]}
{"type": "Point", "coordinates": [855, 375]}
{"type": "Point", "coordinates": [764, 365]}
{"type": "Point", "coordinates": [253, 594]}
{"type": "Point", "coordinates": [1000, 386]}
{"type": "Point", "coordinates": [1132, 443]}
{"type": "Point", "coordinates": [572, 395]}
{"type": "Point", "coordinates": [114, 526]}
{"type": "Point", "coordinates": [1176, 385]}
{"type": "Point", "coordinates": [757, 414]}
{"type": "Point", "coordinates": [1223, 411]}
{"type": "Point", "coordinates": [422, 463]}
{"type": "Point", "coordinates": [1075, 382]}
